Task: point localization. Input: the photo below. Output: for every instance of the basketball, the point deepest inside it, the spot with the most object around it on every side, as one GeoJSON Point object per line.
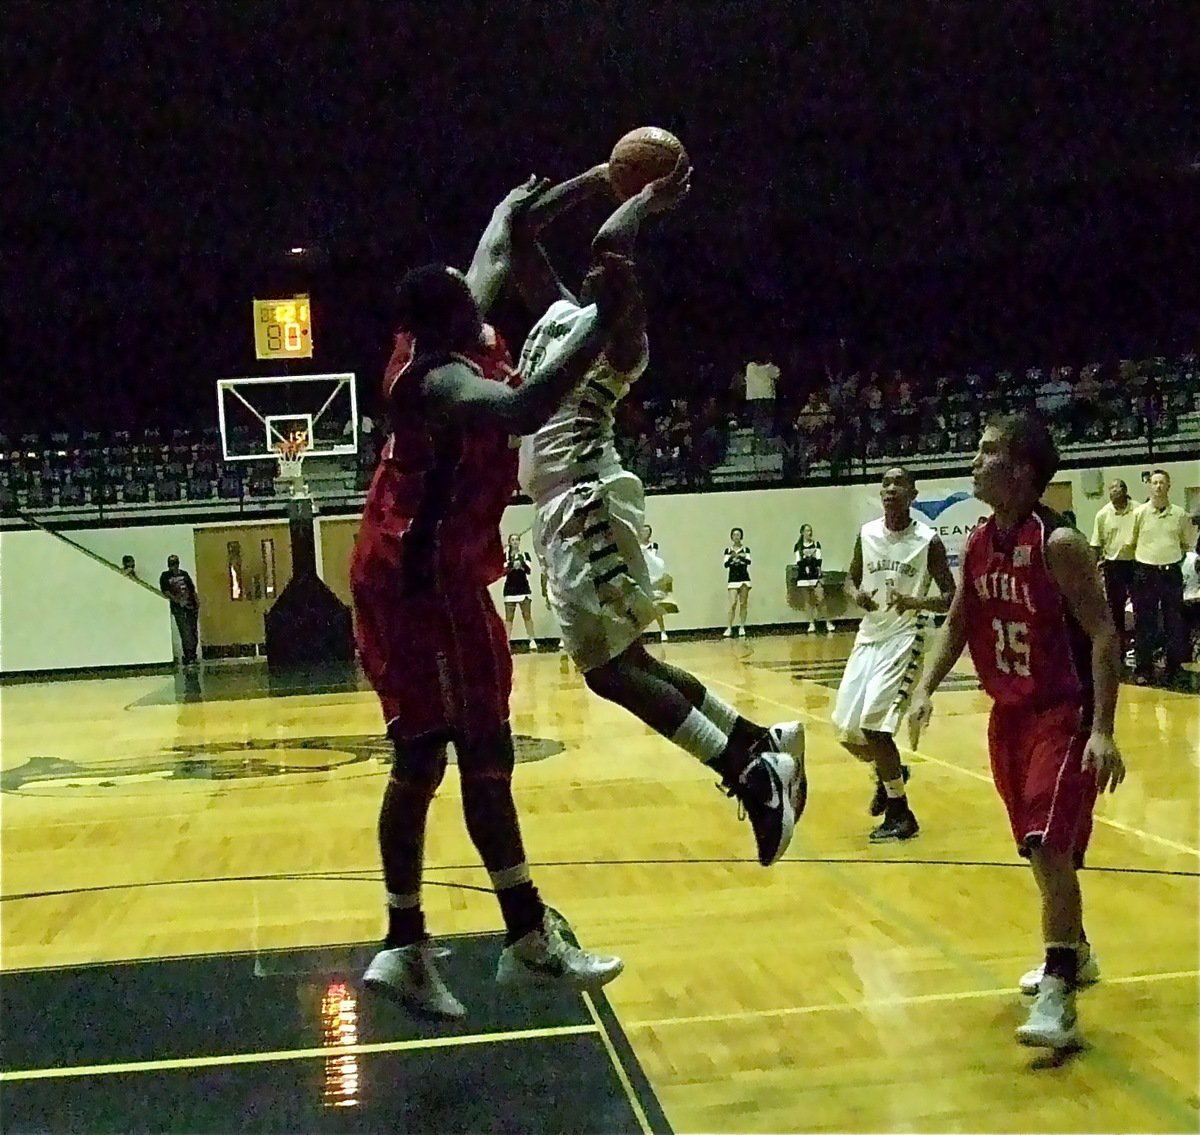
{"type": "Point", "coordinates": [642, 156]}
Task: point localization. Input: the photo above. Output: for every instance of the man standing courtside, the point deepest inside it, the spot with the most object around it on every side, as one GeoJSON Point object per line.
{"type": "Point", "coordinates": [1112, 538]}
{"type": "Point", "coordinates": [176, 584]}
{"type": "Point", "coordinates": [1160, 541]}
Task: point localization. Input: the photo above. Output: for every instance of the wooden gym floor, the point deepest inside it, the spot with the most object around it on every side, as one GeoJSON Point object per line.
{"type": "Point", "coordinates": [190, 889]}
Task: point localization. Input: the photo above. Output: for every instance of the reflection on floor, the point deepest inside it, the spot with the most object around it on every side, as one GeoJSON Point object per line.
{"type": "Point", "coordinates": [289, 1042]}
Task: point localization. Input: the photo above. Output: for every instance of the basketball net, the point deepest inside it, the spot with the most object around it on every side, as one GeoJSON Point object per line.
{"type": "Point", "coordinates": [290, 454]}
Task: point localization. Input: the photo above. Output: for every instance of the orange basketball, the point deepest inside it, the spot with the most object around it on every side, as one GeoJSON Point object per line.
{"type": "Point", "coordinates": [642, 156]}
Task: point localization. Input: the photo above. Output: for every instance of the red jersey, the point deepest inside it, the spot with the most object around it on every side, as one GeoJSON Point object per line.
{"type": "Point", "coordinates": [441, 487]}
{"type": "Point", "coordinates": [1027, 648]}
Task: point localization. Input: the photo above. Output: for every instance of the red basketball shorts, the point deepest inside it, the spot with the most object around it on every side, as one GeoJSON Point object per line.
{"type": "Point", "coordinates": [1037, 764]}
{"type": "Point", "coordinates": [438, 659]}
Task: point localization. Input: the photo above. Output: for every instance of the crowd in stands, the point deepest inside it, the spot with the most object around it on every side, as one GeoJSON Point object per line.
{"type": "Point", "coordinates": [822, 432]}
{"type": "Point", "coordinates": [861, 417]}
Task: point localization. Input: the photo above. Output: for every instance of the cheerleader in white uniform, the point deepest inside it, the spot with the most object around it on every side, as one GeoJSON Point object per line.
{"type": "Point", "coordinates": [517, 593]}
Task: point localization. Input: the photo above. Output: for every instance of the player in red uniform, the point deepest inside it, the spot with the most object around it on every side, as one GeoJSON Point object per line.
{"type": "Point", "coordinates": [430, 639]}
{"type": "Point", "coordinates": [1031, 609]}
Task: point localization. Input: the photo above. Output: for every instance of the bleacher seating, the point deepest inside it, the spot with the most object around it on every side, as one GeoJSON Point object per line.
{"type": "Point", "coordinates": [1149, 408]}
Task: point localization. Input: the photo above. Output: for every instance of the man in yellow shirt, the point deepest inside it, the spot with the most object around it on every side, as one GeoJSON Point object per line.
{"type": "Point", "coordinates": [1161, 538]}
{"type": "Point", "coordinates": [1112, 538]}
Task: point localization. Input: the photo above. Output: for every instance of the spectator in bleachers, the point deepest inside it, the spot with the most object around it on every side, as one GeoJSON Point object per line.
{"type": "Point", "coordinates": [129, 567]}
{"type": "Point", "coordinates": [1054, 396]}
{"type": "Point", "coordinates": [760, 380]}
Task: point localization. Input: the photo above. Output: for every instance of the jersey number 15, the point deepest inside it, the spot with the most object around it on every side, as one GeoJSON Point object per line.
{"type": "Point", "coordinates": [1012, 647]}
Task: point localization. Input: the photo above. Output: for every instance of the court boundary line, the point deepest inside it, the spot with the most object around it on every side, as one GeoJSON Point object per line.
{"type": "Point", "coordinates": [867, 1004]}
{"type": "Point", "coordinates": [618, 1066]}
{"type": "Point", "coordinates": [1124, 828]}
{"type": "Point", "coordinates": [235, 1058]}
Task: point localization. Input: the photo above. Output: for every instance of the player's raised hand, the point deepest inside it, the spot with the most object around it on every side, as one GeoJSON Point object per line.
{"type": "Point", "coordinates": [920, 711]}
{"type": "Point", "coordinates": [667, 192]}
{"type": "Point", "coordinates": [519, 199]}
{"type": "Point", "coordinates": [1101, 754]}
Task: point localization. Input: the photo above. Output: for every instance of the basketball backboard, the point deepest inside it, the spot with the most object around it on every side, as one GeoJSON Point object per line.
{"type": "Point", "coordinates": [256, 414]}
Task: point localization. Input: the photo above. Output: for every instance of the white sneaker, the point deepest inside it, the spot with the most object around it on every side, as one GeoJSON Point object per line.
{"type": "Point", "coordinates": [829, 628]}
{"type": "Point", "coordinates": [1051, 1022]}
{"type": "Point", "coordinates": [533, 646]}
{"type": "Point", "coordinates": [409, 974]}
{"type": "Point", "coordinates": [1088, 972]}
{"type": "Point", "coordinates": [741, 632]}
{"type": "Point", "coordinates": [662, 637]}
{"type": "Point", "coordinates": [545, 957]}
{"type": "Point", "coordinates": [812, 628]}
{"type": "Point", "coordinates": [728, 632]}
{"type": "Point", "coordinates": [788, 737]}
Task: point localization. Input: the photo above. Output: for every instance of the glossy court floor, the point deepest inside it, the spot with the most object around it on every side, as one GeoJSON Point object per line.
{"type": "Point", "coordinates": [190, 891]}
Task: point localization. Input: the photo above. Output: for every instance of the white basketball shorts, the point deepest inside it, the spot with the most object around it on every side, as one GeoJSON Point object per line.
{"type": "Point", "coordinates": [877, 685]}
{"type": "Point", "coordinates": [587, 541]}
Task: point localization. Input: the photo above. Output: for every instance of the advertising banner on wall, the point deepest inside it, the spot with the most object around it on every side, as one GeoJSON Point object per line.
{"type": "Point", "coordinates": [953, 513]}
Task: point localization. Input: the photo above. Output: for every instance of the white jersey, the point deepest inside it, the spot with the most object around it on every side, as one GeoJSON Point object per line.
{"type": "Point", "coordinates": [894, 563]}
{"type": "Point", "coordinates": [576, 444]}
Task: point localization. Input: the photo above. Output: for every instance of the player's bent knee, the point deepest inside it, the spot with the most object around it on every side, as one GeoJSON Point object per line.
{"type": "Point", "coordinates": [419, 763]}
{"type": "Point", "coordinates": [487, 761]}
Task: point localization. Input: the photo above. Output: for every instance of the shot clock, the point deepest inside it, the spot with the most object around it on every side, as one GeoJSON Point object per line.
{"type": "Point", "coordinates": [283, 328]}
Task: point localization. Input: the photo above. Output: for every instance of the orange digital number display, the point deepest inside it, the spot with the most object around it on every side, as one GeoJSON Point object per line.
{"type": "Point", "coordinates": [283, 328]}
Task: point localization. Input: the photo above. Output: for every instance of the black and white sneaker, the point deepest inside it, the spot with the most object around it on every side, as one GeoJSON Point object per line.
{"type": "Point", "coordinates": [772, 790]}
{"type": "Point", "coordinates": [896, 826]}
{"type": "Point", "coordinates": [880, 799]}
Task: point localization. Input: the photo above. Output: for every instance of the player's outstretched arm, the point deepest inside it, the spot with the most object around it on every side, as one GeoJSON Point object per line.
{"type": "Point", "coordinates": [493, 258]}
{"type": "Point", "coordinates": [455, 390]}
{"type": "Point", "coordinates": [533, 274]}
{"type": "Point", "coordinates": [947, 649]}
{"type": "Point", "coordinates": [566, 195]}
{"type": "Point", "coordinates": [619, 232]}
{"type": "Point", "coordinates": [1073, 566]}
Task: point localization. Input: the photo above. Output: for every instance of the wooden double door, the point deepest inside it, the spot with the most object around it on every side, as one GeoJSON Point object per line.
{"type": "Point", "coordinates": [240, 571]}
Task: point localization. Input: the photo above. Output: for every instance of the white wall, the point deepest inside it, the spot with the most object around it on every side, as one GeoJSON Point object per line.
{"type": "Point", "coordinates": [149, 545]}
{"type": "Point", "coordinates": [693, 530]}
{"type": "Point", "coordinates": [61, 609]}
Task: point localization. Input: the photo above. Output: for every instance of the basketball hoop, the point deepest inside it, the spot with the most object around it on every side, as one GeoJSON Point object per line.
{"type": "Point", "coordinates": [289, 452]}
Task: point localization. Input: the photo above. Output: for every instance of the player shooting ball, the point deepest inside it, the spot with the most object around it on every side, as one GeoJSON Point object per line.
{"type": "Point", "coordinates": [589, 509]}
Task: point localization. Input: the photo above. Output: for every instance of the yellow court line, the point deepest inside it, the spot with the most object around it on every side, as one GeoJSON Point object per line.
{"type": "Point", "coordinates": [1127, 829]}
{"type": "Point", "coordinates": [618, 1067]}
{"type": "Point", "coordinates": [881, 1003]}
{"type": "Point", "coordinates": [292, 1054]}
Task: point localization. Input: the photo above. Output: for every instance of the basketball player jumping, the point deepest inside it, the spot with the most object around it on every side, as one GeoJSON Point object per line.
{"type": "Point", "coordinates": [588, 517]}
{"type": "Point", "coordinates": [431, 642]}
{"type": "Point", "coordinates": [895, 559]}
{"type": "Point", "coordinates": [1032, 611]}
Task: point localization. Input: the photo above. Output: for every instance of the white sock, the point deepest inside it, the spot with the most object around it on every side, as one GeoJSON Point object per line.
{"type": "Point", "coordinates": [700, 737]}
{"type": "Point", "coordinates": [719, 712]}
{"type": "Point", "coordinates": [894, 788]}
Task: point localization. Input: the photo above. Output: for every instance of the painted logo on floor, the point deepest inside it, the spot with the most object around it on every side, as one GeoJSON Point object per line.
{"type": "Point", "coordinates": [244, 760]}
